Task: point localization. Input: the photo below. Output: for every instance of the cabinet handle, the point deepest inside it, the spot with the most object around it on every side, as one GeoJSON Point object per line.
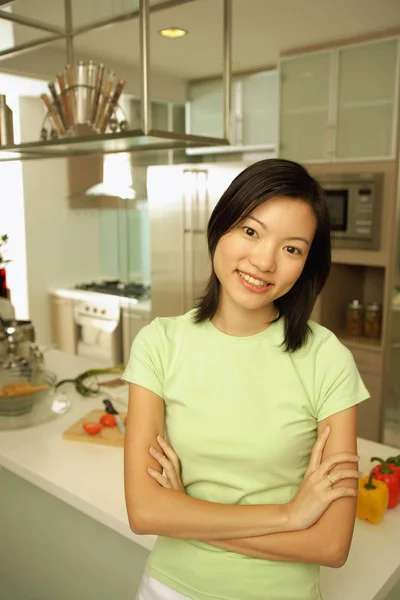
{"type": "Point", "coordinates": [329, 137]}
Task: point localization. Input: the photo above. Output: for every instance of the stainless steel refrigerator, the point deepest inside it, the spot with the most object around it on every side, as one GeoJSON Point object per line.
{"type": "Point", "coordinates": [181, 199]}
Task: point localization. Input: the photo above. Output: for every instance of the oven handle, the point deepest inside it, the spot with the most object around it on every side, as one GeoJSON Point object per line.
{"type": "Point", "coordinates": [101, 324]}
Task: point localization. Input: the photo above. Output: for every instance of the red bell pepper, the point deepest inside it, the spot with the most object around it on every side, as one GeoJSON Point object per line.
{"type": "Point", "coordinates": [394, 463]}
{"type": "Point", "coordinates": [386, 473]}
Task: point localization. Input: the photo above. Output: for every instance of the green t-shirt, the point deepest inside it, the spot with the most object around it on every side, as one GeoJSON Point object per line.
{"type": "Point", "coordinates": [242, 416]}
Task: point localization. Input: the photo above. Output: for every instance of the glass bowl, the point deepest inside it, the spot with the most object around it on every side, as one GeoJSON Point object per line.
{"type": "Point", "coordinates": [21, 388]}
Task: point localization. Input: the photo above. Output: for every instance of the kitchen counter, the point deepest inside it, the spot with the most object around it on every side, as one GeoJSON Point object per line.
{"type": "Point", "coordinates": [142, 304]}
{"type": "Point", "coordinates": [71, 472]}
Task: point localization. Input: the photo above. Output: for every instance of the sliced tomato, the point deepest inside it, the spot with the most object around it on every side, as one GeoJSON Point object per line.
{"type": "Point", "coordinates": [92, 428]}
{"type": "Point", "coordinates": [108, 420]}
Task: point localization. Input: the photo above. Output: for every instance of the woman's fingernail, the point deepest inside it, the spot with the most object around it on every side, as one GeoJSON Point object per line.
{"type": "Point", "coordinates": [151, 450]}
{"type": "Point", "coordinates": [151, 471]}
{"type": "Point", "coordinates": [159, 439]}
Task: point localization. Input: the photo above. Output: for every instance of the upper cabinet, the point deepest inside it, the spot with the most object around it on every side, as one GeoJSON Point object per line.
{"type": "Point", "coordinates": [254, 112]}
{"type": "Point", "coordinates": [341, 104]}
{"type": "Point", "coordinates": [257, 114]}
{"type": "Point", "coordinates": [305, 107]}
{"type": "Point", "coordinates": [366, 100]}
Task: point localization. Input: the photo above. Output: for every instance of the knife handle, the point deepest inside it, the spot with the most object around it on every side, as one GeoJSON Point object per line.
{"type": "Point", "coordinates": [109, 407]}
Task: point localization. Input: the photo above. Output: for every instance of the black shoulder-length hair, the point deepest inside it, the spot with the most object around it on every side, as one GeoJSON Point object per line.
{"type": "Point", "coordinates": [257, 183]}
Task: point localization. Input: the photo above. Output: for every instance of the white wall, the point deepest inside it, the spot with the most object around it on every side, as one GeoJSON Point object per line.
{"type": "Point", "coordinates": [12, 212]}
{"type": "Point", "coordinates": [62, 246]}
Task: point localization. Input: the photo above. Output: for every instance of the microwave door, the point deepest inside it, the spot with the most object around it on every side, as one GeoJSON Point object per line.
{"type": "Point", "coordinates": [338, 206]}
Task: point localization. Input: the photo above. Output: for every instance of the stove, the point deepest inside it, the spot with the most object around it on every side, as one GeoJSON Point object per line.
{"type": "Point", "coordinates": [116, 287]}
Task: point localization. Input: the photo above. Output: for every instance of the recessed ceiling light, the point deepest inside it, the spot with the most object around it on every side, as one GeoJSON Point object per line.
{"type": "Point", "coordinates": [173, 32]}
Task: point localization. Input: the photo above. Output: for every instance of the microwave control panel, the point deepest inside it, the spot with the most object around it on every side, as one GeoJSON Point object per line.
{"type": "Point", "coordinates": [355, 205]}
{"type": "Point", "coordinates": [364, 213]}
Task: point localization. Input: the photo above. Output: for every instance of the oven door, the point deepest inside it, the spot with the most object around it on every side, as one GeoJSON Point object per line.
{"type": "Point", "coordinates": [99, 339]}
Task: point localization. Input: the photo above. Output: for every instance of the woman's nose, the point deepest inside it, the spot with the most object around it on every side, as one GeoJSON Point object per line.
{"type": "Point", "coordinates": [264, 259]}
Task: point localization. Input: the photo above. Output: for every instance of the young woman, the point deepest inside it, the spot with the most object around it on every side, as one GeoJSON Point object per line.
{"type": "Point", "coordinates": [257, 401]}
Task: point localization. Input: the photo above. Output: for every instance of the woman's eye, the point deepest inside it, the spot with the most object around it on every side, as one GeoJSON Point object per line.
{"type": "Point", "coordinates": [292, 250]}
{"type": "Point", "coordinates": [249, 231]}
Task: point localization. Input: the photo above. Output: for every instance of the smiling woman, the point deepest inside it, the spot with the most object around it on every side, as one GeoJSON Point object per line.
{"type": "Point", "coordinates": [257, 485]}
{"type": "Point", "coordinates": [271, 224]}
{"type": "Point", "coordinates": [265, 255]}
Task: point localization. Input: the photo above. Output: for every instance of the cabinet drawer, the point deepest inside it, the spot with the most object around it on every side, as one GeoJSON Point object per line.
{"type": "Point", "coordinates": [368, 362]}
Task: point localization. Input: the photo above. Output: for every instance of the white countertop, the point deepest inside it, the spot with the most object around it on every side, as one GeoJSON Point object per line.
{"type": "Point", "coordinates": [142, 305]}
{"type": "Point", "coordinates": [89, 477]}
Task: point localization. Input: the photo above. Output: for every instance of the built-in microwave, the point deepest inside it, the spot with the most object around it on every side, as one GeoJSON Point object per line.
{"type": "Point", "coordinates": [355, 206]}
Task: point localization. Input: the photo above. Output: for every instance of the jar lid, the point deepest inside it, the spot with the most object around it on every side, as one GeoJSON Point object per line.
{"type": "Point", "coordinates": [373, 306]}
{"type": "Point", "coordinates": [355, 304]}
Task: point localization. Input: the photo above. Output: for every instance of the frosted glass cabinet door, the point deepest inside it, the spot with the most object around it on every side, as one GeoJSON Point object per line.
{"type": "Point", "coordinates": [206, 109]}
{"type": "Point", "coordinates": [260, 109]}
{"type": "Point", "coordinates": [304, 107]}
{"type": "Point", "coordinates": [366, 100]}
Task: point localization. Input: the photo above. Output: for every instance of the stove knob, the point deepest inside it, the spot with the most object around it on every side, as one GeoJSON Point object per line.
{"type": "Point", "coordinates": [95, 310]}
{"type": "Point", "coordinates": [86, 308]}
{"type": "Point", "coordinates": [103, 312]}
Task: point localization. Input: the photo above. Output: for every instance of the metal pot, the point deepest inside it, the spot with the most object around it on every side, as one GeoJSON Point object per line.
{"type": "Point", "coordinates": [16, 338]}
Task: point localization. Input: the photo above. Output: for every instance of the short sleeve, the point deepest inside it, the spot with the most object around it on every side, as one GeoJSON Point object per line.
{"type": "Point", "coordinates": [145, 362]}
{"type": "Point", "coordinates": [338, 383]}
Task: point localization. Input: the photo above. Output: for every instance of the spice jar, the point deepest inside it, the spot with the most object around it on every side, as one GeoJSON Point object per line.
{"type": "Point", "coordinates": [354, 318]}
{"type": "Point", "coordinates": [372, 321]}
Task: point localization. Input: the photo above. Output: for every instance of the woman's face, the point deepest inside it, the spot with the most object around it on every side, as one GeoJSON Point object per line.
{"type": "Point", "coordinates": [261, 259]}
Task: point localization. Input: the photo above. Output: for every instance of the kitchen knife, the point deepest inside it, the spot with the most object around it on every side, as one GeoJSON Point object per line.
{"type": "Point", "coordinates": [112, 411]}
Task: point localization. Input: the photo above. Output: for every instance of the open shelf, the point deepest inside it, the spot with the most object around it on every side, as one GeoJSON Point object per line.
{"type": "Point", "coordinates": [107, 143]}
{"type": "Point", "coordinates": [360, 343]}
{"type": "Point", "coordinates": [345, 284]}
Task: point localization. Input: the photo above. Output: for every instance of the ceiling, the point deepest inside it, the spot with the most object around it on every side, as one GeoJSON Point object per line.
{"type": "Point", "coordinates": [262, 29]}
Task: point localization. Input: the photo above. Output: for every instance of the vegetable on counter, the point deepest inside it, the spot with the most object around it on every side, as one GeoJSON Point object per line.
{"type": "Point", "coordinates": [92, 428]}
{"type": "Point", "coordinates": [372, 500]}
{"type": "Point", "coordinates": [108, 420]}
{"type": "Point", "coordinates": [85, 390]}
{"type": "Point", "coordinates": [389, 475]}
{"type": "Point", "coordinates": [394, 460]}
{"type": "Point", "coordinates": [394, 463]}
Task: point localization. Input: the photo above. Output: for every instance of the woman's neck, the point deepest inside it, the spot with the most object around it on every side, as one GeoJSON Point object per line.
{"type": "Point", "coordinates": [239, 322]}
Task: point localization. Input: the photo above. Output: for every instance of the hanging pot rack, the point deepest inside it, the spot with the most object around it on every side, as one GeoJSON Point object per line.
{"type": "Point", "coordinates": [141, 139]}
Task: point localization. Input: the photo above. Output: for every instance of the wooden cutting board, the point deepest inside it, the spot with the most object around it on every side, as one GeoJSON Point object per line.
{"type": "Point", "coordinates": [109, 436]}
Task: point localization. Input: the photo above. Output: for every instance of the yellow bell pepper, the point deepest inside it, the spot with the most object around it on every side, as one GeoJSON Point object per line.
{"type": "Point", "coordinates": [373, 499]}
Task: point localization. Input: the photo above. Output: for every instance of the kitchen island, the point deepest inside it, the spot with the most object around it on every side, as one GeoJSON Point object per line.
{"type": "Point", "coordinates": [51, 550]}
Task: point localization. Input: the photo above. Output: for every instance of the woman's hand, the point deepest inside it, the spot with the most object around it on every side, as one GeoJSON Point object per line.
{"type": "Point", "coordinates": [170, 478]}
{"type": "Point", "coordinates": [316, 492]}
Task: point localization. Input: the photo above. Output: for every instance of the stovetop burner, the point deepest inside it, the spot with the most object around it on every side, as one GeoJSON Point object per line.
{"type": "Point", "coordinates": [116, 287]}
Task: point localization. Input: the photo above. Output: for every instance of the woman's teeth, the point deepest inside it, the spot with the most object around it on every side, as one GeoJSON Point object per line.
{"type": "Point", "coordinates": [252, 280]}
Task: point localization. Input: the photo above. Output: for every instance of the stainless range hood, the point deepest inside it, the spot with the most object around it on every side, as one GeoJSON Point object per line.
{"type": "Point", "coordinates": [137, 140]}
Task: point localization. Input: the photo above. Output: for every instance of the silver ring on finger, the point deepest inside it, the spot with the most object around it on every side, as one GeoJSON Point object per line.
{"type": "Point", "coordinates": [330, 480]}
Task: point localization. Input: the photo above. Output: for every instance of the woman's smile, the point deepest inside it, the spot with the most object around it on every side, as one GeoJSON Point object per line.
{"type": "Point", "coordinates": [252, 284]}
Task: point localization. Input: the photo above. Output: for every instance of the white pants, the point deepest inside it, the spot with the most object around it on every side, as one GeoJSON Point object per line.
{"type": "Point", "coordinates": [151, 589]}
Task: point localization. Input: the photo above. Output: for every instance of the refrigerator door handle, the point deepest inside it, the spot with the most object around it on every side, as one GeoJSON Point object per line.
{"type": "Point", "coordinates": [201, 202]}
{"type": "Point", "coordinates": [196, 209]}
{"type": "Point", "coordinates": [188, 272]}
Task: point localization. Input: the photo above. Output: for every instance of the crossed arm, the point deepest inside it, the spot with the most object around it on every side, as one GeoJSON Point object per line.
{"type": "Point", "coordinates": [257, 531]}
{"type": "Point", "coordinates": [332, 534]}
